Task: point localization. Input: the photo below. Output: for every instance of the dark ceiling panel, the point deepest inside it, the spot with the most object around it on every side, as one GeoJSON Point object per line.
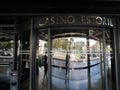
{"type": "Point", "coordinates": [91, 6]}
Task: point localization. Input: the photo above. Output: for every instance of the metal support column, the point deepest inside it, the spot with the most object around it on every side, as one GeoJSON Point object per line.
{"type": "Point", "coordinates": [32, 85]}
{"type": "Point", "coordinates": [15, 52]}
{"type": "Point", "coordinates": [88, 61]}
{"type": "Point", "coordinates": [115, 33]}
{"type": "Point", "coordinates": [49, 60]}
{"type": "Point", "coordinates": [117, 52]}
{"type": "Point", "coordinates": [105, 61]}
{"type": "Point", "coordinates": [19, 66]}
{"type": "Point", "coordinates": [101, 63]}
{"type": "Point", "coordinates": [15, 49]}
{"type": "Point", "coordinates": [14, 73]}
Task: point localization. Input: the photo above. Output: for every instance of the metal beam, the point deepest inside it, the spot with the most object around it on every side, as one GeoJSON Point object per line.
{"type": "Point", "coordinates": [32, 85]}
{"type": "Point", "coordinates": [15, 52]}
{"type": "Point", "coordinates": [105, 61]}
{"type": "Point", "coordinates": [15, 48]}
{"type": "Point", "coordinates": [117, 54]}
{"type": "Point", "coordinates": [7, 25]}
{"type": "Point", "coordinates": [49, 60]}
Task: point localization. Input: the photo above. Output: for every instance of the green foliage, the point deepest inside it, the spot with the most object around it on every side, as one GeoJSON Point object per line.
{"type": "Point", "coordinates": [46, 45]}
{"type": "Point", "coordinates": [60, 43]}
{"type": "Point", "coordinates": [78, 47]}
{"type": "Point", "coordinates": [64, 44]}
{"type": "Point", "coordinates": [5, 44]}
{"type": "Point", "coordinates": [56, 43]}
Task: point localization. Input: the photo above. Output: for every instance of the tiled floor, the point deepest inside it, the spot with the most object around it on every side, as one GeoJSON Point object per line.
{"type": "Point", "coordinates": [79, 79]}
{"type": "Point", "coordinates": [74, 84]}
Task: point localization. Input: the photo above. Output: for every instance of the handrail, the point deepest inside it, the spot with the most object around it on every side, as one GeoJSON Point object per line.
{"type": "Point", "coordinates": [78, 67]}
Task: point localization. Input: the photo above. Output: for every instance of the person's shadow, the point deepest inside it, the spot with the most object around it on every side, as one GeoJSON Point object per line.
{"type": "Point", "coordinates": [67, 68]}
{"type": "Point", "coordinates": [45, 77]}
{"type": "Point", "coordinates": [67, 75]}
{"type": "Point", "coordinates": [45, 68]}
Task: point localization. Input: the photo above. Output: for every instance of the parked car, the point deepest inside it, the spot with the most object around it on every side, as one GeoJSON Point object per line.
{"type": "Point", "coordinates": [6, 53]}
{"type": "Point", "coordinates": [82, 56]}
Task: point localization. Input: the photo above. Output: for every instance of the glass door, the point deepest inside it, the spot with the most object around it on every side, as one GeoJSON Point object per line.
{"type": "Point", "coordinates": [75, 59]}
{"type": "Point", "coordinates": [42, 60]}
{"type": "Point", "coordinates": [81, 59]}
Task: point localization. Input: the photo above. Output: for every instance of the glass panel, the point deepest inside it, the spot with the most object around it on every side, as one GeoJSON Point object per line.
{"type": "Point", "coordinates": [96, 59]}
{"type": "Point", "coordinates": [24, 59]}
{"type": "Point", "coordinates": [78, 58]}
{"type": "Point", "coordinates": [110, 59]}
{"type": "Point", "coordinates": [84, 70]}
{"type": "Point", "coordinates": [76, 48]}
{"type": "Point", "coordinates": [42, 60]}
{"type": "Point", "coordinates": [6, 57]}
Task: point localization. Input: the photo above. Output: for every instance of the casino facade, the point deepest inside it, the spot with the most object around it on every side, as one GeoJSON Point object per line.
{"type": "Point", "coordinates": [90, 36]}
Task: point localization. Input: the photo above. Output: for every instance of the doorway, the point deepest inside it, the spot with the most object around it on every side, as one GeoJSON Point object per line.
{"type": "Point", "coordinates": [91, 64]}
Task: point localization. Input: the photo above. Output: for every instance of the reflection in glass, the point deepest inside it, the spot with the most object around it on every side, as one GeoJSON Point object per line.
{"type": "Point", "coordinates": [79, 69]}
{"type": "Point", "coordinates": [85, 69]}
{"type": "Point", "coordinates": [42, 63]}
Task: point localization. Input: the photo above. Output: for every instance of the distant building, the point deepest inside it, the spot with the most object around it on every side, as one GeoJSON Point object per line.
{"type": "Point", "coordinates": [81, 43]}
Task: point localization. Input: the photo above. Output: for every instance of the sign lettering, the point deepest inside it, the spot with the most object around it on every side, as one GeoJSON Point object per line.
{"type": "Point", "coordinates": [76, 20]}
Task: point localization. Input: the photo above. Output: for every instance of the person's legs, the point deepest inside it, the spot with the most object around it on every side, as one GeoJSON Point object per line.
{"type": "Point", "coordinates": [66, 75]}
{"type": "Point", "coordinates": [44, 75]}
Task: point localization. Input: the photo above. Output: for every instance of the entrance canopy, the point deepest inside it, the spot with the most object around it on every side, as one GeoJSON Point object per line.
{"type": "Point", "coordinates": [60, 25]}
{"type": "Point", "coordinates": [73, 26]}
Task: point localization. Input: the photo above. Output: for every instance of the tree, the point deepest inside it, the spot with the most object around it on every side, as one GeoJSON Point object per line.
{"type": "Point", "coordinates": [5, 44]}
{"type": "Point", "coordinates": [56, 43]}
{"type": "Point", "coordinates": [64, 44]}
{"type": "Point", "coordinates": [46, 45]}
{"type": "Point", "coordinates": [60, 43]}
